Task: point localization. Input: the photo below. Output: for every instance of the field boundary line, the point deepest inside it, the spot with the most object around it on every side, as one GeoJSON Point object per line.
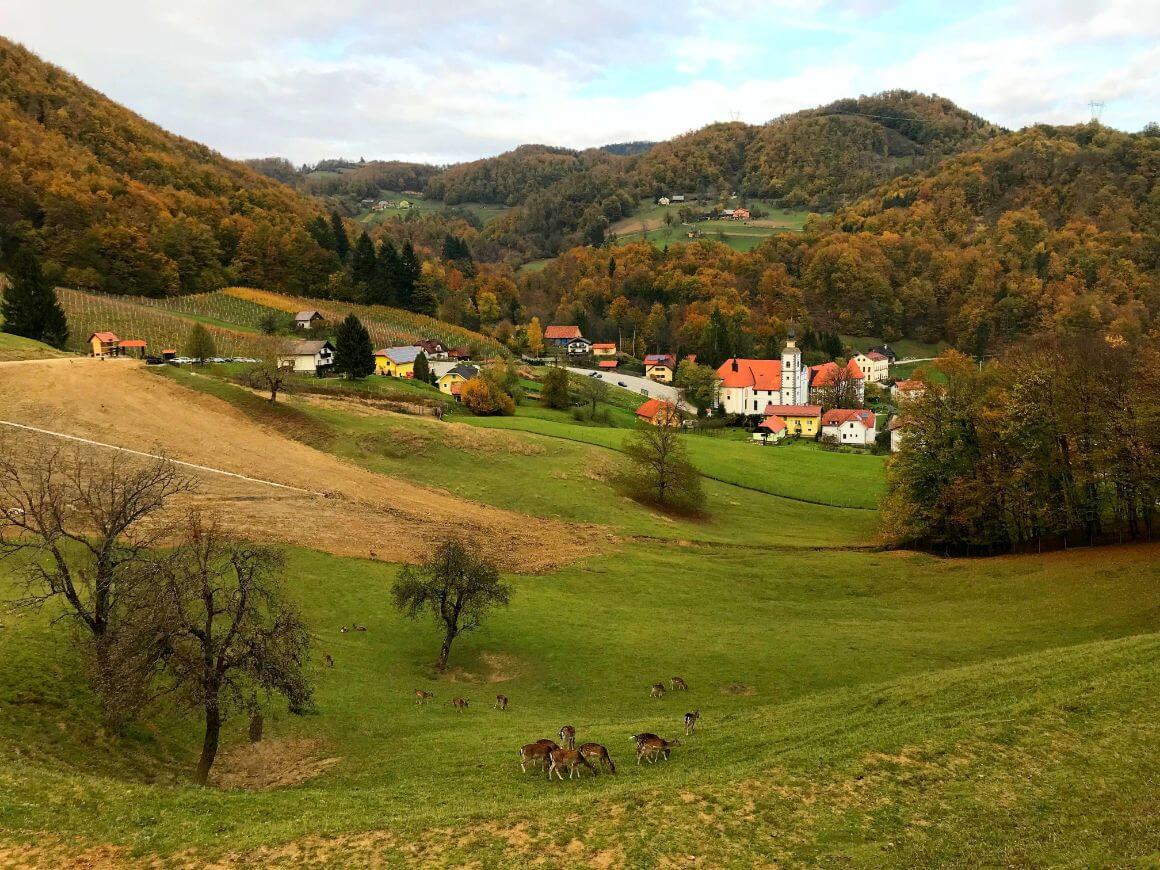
{"type": "Point", "coordinates": [194, 465]}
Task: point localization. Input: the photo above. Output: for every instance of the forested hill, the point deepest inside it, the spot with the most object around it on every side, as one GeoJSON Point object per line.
{"type": "Point", "coordinates": [118, 204]}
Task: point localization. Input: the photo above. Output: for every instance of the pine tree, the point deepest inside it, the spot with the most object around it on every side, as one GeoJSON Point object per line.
{"type": "Point", "coordinates": [341, 240]}
{"type": "Point", "coordinates": [362, 263]}
{"type": "Point", "coordinates": [30, 307]}
{"type": "Point", "coordinates": [421, 369]}
{"type": "Point", "coordinates": [409, 271]}
{"type": "Point", "coordinates": [354, 355]}
{"type": "Point", "coordinates": [423, 299]}
{"type": "Point", "coordinates": [321, 232]}
{"type": "Point", "coordinates": [381, 290]}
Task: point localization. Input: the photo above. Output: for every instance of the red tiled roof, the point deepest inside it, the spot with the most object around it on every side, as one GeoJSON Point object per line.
{"type": "Point", "coordinates": [133, 342]}
{"type": "Point", "coordinates": [104, 336]}
{"type": "Point", "coordinates": [659, 359]}
{"type": "Point", "coordinates": [608, 363]}
{"type": "Point", "coordinates": [824, 375]}
{"type": "Point", "coordinates": [604, 345]}
{"type": "Point", "coordinates": [562, 332]}
{"type": "Point", "coordinates": [760, 374]}
{"type": "Point", "coordinates": [840, 416]}
{"type": "Point", "coordinates": [876, 356]}
{"type": "Point", "coordinates": [653, 407]}
{"type": "Point", "coordinates": [773, 423]}
{"type": "Point", "coordinates": [794, 410]}
{"type": "Point", "coordinates": [907, 386]}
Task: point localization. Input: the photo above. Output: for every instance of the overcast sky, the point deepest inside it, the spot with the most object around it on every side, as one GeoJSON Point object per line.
{"type": "Point", "coordinates": [446, 80]}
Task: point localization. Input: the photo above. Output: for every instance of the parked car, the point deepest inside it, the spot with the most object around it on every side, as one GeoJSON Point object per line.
{"type": "Point", "coordinates": [622, 384]}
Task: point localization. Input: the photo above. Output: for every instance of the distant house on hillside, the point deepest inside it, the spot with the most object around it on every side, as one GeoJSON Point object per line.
{"type": "Point", "coordinates": [415, 193]}
{"type": "Point", "coordinates": [397, 362]}
{"type": "Point", "coordinates": [308, 319]}
{"type": "Point", "coordinates": [579, 346]}
{"type": "Point", "coordinates": [458, 376]}
{"type": "Point", "coordinates": [909, 389]}
{"type": "Point", "coordinates": [657, 412]}
{"type": "Point", "coordinates": [308, 357]}
{"type": "Point", "coordinates": [104, 344]}
{"type": "Point", "coordinates": [606, 348]}
{"type": "Point", "coordinates": [434, 348]}
{"type": "Point", "coordinates": [741, 214]}
{"type": "Point", "coordinates": [366, 203]}
{"type": "Point", "coordinates": [660, 367]}
{"type": "Point", "coordinates": [405, 203]}
{"type": "Point", "coordinates": [849, 426]}
{"type": "Point", "coordinates": [561, 335]}
{"type": "Point", "coordinates": [677, 197]}
{"type": "Point", "coordinates": [460, 353]}
{"type": "Point", "coordinates": [664, 200]}
{"type": "Point", "coordinates": [885, 350]}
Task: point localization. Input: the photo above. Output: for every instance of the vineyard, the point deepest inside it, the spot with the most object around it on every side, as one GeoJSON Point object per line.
{"type": "Point", "coordinates": [220, 307]}
{"type": "Point", "coordinates": [387, 326]}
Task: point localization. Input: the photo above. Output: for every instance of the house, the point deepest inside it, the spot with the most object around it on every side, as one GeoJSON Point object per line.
{"type": "Point", "coordinates": [308, 319]}
{"type": "Point", "coordinates": [853, 427]}
{"type": "Point", "coordinates": [133, 344]}
{"type": "Point", "coordinates": [452, 381]}
{"type": "Point", "coordinates": [823, 378]}
{"type": "Point", "coordinates": [657, 412]}
{"type": "Point", "coordinates": [604, 348]}
{"type": "Point", "coordinates": [660, 367]}
{"type": "Point", "coordinates": [579, 346]}
{"type": "Point", "coordinates": [885, 350]}
{"type": "Point", "coordinates": [308, 357]}
{"type": "Point", "coordinates": [397, 362]}
{"type": "Point", "coordinates": [440, 367]}
{"type": "Point", "coordinates": [874, 365]}
{"type": "Point", "coordinates": [664, 200]}
{"type": "Point", "coordinates": [559, 336]}
{"type": "Point", "coordinates": [366, 203]}
{"type": "Point", "coordinates": [728, 212]}
{"type": "Point", "coordinates": [460, 353]}
{"type": "Point", "coordinates": [418, 194]}
{"type": "Point", "coordinates": [748, 385]}
{"type": "Point", "coordinates": [434, 348]}
{"type": "Point", "coordinates": [677, 197]}
{"type": "Point", "coordinates": [405, 203]}
{"type": "Point", "coordinates": [770, 430]}
{"type": "Point", "coordinates": [803, 420]}
{"type": "Point", "coordinates": [908, 389]}
{"type": "Point", "coordinates": [607, 364]}
{"type": "Point", "coordinates": [741, 214]}
{"type": "Point", "coordinates": [896, 427]}
{"type": "Point", "coordinates": [104, 344]}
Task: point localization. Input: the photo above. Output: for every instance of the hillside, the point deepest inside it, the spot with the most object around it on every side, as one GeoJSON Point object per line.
{"type": "Point", "coordinates": [116, 204]}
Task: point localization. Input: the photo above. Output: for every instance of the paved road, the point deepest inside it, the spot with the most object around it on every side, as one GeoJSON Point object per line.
{"type": "Point", "coordinates": [643, 387]}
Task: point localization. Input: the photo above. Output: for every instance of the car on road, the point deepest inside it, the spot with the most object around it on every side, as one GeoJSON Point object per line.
{"type": "Point", "coordinates": [622, 384]}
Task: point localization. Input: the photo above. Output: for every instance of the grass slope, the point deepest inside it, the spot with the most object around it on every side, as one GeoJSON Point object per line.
{"type": "Point", "coordinates": [15, 347]}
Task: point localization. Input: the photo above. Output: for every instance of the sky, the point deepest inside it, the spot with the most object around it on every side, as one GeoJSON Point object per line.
{"type": "Point", "coordinates": [442, 81]}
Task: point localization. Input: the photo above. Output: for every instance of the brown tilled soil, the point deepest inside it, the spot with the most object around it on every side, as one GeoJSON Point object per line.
{"type": "Point", "coordinates": [117, 402]}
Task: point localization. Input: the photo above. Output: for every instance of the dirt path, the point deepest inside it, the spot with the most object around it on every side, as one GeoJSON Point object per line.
{"type": "Point", "coordinates": [264, 484]}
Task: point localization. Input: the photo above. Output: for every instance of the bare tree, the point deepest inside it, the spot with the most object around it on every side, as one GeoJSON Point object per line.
{"type": "Point", "coordinates": [227, 632]}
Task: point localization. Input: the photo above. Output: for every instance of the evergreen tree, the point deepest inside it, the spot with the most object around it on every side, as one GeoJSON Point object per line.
{"type": "Point", "coordinates": [30, 307]}
{"type": "Point", "coordinates": [409, 271]}
{"type": "Point", "coordinates": [381, 290]}
{"type": "Point", "coordinates": [362, 263]}
{"type": "Point", "coordinates": [423, 299]}
{"type": "Point", "coordinates": [421, 369]}
{"type": "Point", "coordinates": [341, 240]}
{"type": "Point", "coordinates": [320, 231]}
{"type": "Point", "coordinates": [354, 355]}
{"type": "Point", "coordinates": [554, 391]}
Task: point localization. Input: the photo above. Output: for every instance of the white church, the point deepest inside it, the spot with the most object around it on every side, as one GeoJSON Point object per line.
{"type": "Point", "coordinates": [748, 385]}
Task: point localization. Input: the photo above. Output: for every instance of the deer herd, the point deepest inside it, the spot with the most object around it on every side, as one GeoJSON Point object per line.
{"type": "Point", "coordinates": [559, 757]}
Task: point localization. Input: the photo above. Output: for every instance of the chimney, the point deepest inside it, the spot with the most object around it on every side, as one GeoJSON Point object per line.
{"type": "Point", "coordinates": [734, 363]}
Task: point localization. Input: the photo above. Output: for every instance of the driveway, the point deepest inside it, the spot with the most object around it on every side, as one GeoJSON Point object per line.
{"type": "Point", "coordinates": [643, 387]}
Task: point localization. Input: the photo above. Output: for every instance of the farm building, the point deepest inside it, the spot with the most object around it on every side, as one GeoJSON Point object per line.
{"type": "Point", "coordinates": [849, 426]}
{"type": "Point", "coordinates": [770, 430]}
{"type": "Point", "coordinates": [740, 214]}
{"type": "Point", "coordinates": [657, 412]}
{"type": "Point", "coordinates": [455, 378]}
{"type": "Point", "coordinates": [104, 344]}
{"type": "Point", "coordinates": [886, 351]}
{"type": "Point", "coordinates": [397, 362]}
{"type": "Point", "coordinates": [664, 200]}
{"type": "Point", "coordinates": [608, 364]}
{"type": "Point", "coordinates": [604, 348]}
{"type": "Point", "coordinates": [308, 357]}
{"type": "Point", "coordinates": [308, 319]}
{"type": "Point", "coordinates": [460, 353]}
{"type": "Point", "coordinates": [804, 420]}
{"type": "Point", "coordinates": [561, 335]}
{"type": "Point", "coordinates": [135, 346]}
{"type": "Point", "coordinates": [660, 367]}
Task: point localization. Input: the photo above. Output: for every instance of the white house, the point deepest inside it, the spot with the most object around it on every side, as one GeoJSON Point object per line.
{"type": "Point", "coordinates": [664, 200]}
{"type": "Point", "coordinates": [433, 348]}
{"type": "Point", "coordinates": [308, 357]}
{"type": "Point", "coordinates": [749, 385]}
{"type": "Point", "coordinates": [770, 430]}
{"type": "Point", "coordinates": [308, 319]}
{"type": "Point", "coordinates": [579, 346]}
{"type": "Point", "coordinates": [875, 366]}
{"type": "Point", "coordinates": [909, 389]}
{"type": "Point", "coordinates": [897, 427]}
{"type": "Point", "coordinates": [854, 427]}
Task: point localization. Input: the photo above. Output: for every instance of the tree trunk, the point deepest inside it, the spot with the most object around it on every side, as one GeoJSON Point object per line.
{"type": "Point", "coordinates": [445, 650]}
{"type": "Point", "coordinates": [256, 724]}
{"type": "Point", "coordinates": [209, 746]}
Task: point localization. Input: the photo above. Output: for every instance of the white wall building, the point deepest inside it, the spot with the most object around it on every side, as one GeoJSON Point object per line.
{"type": "Point", "coordinates": [853, 427]}
{"type": "Point", "coordinates": [748, 385]}
{"type": "Point", "coordinates": [307, 357]}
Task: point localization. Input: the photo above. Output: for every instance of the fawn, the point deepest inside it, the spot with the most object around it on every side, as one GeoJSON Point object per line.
{"type": "Point", "coordinates": [691, 722]}
{"type": "Point", "coordinates": [658, 690]}
{"type": "Point", "coordinates": [536, 754]}
{"type": "Point", "coordinates": [568, 737]}
{"type": "Point", "coordinates": [567, 758]}
{"type": "Point", "coordinates": [655, 747]}
{"type": "Point", "coordinates": [678, 685]}
{"type": "Point", "coordinates": [329, 661]}
{"type": "Point", "coordinates": [358, 627]}
{"type": "Point", "coordinates": [501, 701]}
{"type": "Point", "coordinates": [599, 754]}
{"type": "Point", "coordinates": [422, 696]}
{"type": "Point", "coordinates": [460, 704]}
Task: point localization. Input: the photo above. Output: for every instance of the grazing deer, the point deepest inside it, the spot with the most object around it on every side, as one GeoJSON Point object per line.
{"type": "Point", "coordinates": [329, 661]}
{"type": "Point", "coordinates": [536, 754]}
{"type": "Point", "coordinates": [600, 754]}
{"type": "Point", "coordinates": [422, 696]}
{"type": "Point", "coordinates": [358, 627]}
{"type": "Point", "coordinates": [501, 702]}
{"type": "Point", "coordinates": [658, 690]}
{"type": "Point", "coordinates": [638, 739]}
{"type": "Point", "coordinates": [655, 747]}
{"type": "Point", "coordinates": [344, 629]}
{"type": "Point", "coordinates": [678, 685]}
{"type": "Point", "coordinates": [568, 737]}
{"type": "Point", "coordinates": [567, 758]}
{"type": "Point", "coordinates": [460, 704]}
{"type": "Point", "coordinates": [691, 722]}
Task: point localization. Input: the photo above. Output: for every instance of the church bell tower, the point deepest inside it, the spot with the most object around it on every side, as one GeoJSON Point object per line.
{"type": "Point", "coordinates": [791, 366]}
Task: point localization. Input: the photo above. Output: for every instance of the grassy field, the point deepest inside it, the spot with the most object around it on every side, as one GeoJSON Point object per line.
{"type": "Point", "coordinates": [13, 347]}
{"type": "Point", "coordinates": [858, 707]}
{"type": "Point", "coordinates": [648, 221]}
{"type": "Point", "coordinates": [485, 212]}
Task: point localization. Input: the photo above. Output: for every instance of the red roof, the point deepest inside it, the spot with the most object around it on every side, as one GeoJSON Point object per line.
{"type": "Point", "coordinates": [653, 407]}
{"type": "Point", "coordinates": [876, 356]}
{"type": "Point", "coordinates": [824, 375]}
{"type": "Point", "coordinates": [773, 423]}
{"type": "Point", "coordinates": [133, 342]}
{"type": "Point", "coordinates": [794, 410]}
{"type": "Point", "coordinates": [760, 374]}
{"type": "Point", "coordinates": [104, 336]}
{"type": "Point", "coordinates": [605, 345]}
{"type": "Point", "coordinates": [608, 363]}
{"type": "Point", "coordinates": [562, 332]}
{"type": "Point", "coordinates": [659, 359]}
{"type": "Point", "coordinates": [910, 386]}
{"type": "Point", "coordinates": [840, 416]}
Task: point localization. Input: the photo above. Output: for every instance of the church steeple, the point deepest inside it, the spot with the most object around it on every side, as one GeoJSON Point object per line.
{"type": "Point", "coordinates": [791, 371]}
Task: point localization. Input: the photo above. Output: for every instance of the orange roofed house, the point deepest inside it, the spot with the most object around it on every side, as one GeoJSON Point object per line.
{"type": "Point", "coordinates": [823, 378]}
{"type": "Point", "coordinates": [854, 427]}
{"type": "Point", "coordinates": [748, 385]}
{"type": "Point", "coordinates": [569, 338]}
{"type": "Point", "coordinates": [605, 348]}
{"type": "Point", "coordinates": [104, 344]}
{"type": "Point", "coordinates": [658, 412]}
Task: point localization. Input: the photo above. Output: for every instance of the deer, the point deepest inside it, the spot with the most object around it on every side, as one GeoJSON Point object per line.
{"type": "Point", "coordinates": [567, 758]}
{"type": "Point", "coordinates": [343, 630]}
{"type": "Point", "coordinates": [658, 690]}
{"type": "Point", "coordinates": [329, 661]}
{"type": "Point", "coordinates": [678, 685]}
{"type": "Point", "coordinates": [568, 737]}
{"type": "Point", "coordinates": [501, 702]}
{"type": "Point", "coordinates": [536, 753]}
{"type": "Point", "coordinates": [460, 704]}
{"type": "Point", "coordinates": [638, 739]}
{"type": "Point", "coordinates": [358, 627]}
{"type": "Point", "coordinates": [691, 722]}
{"type": "Point", "coordinates": [654, 748]}
{"type": "Point", "coordinates": [599, 754]}
{"type": "Point", "coordinates": [422, 696]}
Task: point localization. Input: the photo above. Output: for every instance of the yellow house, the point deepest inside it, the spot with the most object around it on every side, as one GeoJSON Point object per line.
{"type": "Point", "coordinates": [396, 362]}
{"type": "Point", "coordinates": [660, 367]}
{"type": "Point", "coordinates": [104, 344]}
{"type": "Point", "coordinates": [457, 375]}
{"type": "Point", "coordinates": [802, 420]}
{"type": "Point", "coordinates": [605, 349]}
